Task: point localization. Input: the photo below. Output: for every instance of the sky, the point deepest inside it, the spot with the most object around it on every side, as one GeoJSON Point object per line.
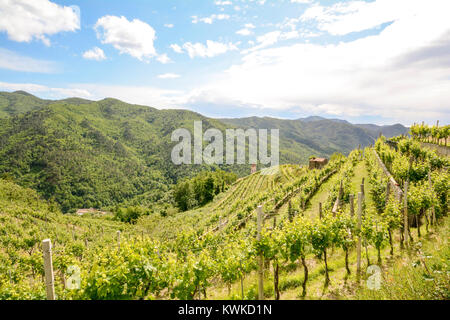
{"type": "Point", "coordinates": [379, 61]}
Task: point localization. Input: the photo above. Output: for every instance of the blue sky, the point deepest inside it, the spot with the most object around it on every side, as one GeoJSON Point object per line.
{"type": "Point", "coordinates": [380, 61]}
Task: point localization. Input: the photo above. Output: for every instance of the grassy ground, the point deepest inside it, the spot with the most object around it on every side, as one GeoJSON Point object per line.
{"type": "Point", "coordinates": [404, 275]}
{"type": "Point", "coordinates": [421, 274]}
{"type": "Point", "coordinates": [312, 209]}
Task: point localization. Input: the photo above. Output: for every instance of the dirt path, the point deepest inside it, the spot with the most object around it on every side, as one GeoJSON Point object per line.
{"type": "Point", "coordinates": [360, 172]}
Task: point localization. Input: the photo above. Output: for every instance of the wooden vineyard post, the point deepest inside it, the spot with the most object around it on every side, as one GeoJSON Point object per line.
{"type": "Point", "coordinates": [341, 192]}
{"type": "Point", "coordinates": [352, 205]}
{"type": "Point", "coordinates": [320, 210]}
{"type": "Point", "coordinates": [118, 239]}
{"type": "Point", "coordinates": [86, 243]}
{"type": "Point", "coordinates": [274, 223]}
{"type": "Point", "coordinates": [362, 188]}
{"type": "Point", "coordinates": [358, 246]}
{"type": "Point", "coordinates": [399, 198]}
{"type": "Point", "coordinates": [242, 281]}
{"type": "Point", "coordinates": [290, 215]}
{"type": "Point", "coordinates": [48, 269]}
{"type": "Point", "coordinates": [405, 215]}
{"type": "Point", "coordinates": [433, 211]}
{"type": "Point", "coordinates": [388, 191]}
{"type": "Point", "coordinates": [73, 233]}
{"type": "Point", "coordinates": [260, 257]}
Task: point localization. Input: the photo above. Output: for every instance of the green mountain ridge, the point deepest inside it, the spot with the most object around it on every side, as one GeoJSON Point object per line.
{"type": "Point", "coordinates": [387, 131]}
{"type": "Point", "coordinates": [83, 153]}
{"type": "Point", "coordinates": [97, 154]}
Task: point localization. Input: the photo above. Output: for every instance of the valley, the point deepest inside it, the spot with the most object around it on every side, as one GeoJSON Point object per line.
{"type": "Point", "coordinates": [211, 252]}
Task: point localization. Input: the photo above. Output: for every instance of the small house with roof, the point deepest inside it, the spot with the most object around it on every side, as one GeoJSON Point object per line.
{"type": "Point", "coordinates": [317, 163]}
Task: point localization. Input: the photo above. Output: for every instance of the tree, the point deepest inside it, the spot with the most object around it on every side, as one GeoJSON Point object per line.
{"type": "Point", "coordinates": [343, 227]}
{"type": "Point", "coordinates": [184, 196]}
{"type": "Point", "coordinates": [321, 240]}
{"type": "Point", "coordinates": [296, 245]}
{"type": "Point", "coordinates": [419, 201]}
{"type": "Point", "coordinates": [392, 216]}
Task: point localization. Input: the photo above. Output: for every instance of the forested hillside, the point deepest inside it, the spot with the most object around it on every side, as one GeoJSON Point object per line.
{"type": "Point", "coordinates": [372, 130]}
{"type": "Point", "coordinates": [318, 136]}
{"type": "Point", "coordinates": [84, 153]}
{"type": "Point", "coordinates": [94, 154]}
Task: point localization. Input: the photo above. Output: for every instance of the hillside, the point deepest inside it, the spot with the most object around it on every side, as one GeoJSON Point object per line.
{"type": "Point", "coordinates": [372, 130]}
{"type": "Point", "coordinates": [84, 153]}
{"type": "Point", "coordinates": [387, 131]}
{"type": "Point", "coordinates": [94, 154]}
{"type": "Point", "coordinates": [19, 102]}
{"type": "Point", "coordinates": [212, 252]}
{"type": "Point", "coordinates": [299, 139]}
{"type": "Point", "coordinates": [27, 219]}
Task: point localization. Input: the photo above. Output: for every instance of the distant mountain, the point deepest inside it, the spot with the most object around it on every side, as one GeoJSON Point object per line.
{"type": "Point", "coordinates": [312, 119]}
{"type": "Point", "coordinates": [84, 153]}
{"type": "Point", "coordinates": [299, 138]}
{"type": "Point", "coordinates": [318, 118]}
{"type": "Point", "coordinates": [387, 131]}
{"type": "Point", "coordinates": [372, 129]}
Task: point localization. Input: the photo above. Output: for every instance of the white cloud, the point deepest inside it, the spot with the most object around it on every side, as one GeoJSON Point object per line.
{"type": "Point", "coordinates": [246, 31]}
{"type": "Point", "coordinates": [211, 49]}
{"type": "Point", "coordinates": [301, 1]}
{"type": "Point", "coordinates": [169, 25]}
{"type": "Point", "coordinates": [223, 3]}
{"type": "Point", "coordinates": [94, 54]}
{"type": "Point", "coordinates": [25, 20]}
{"type": "Point", "coordinates": [210, 19]}
{"type": "Point", "coordinates": [169, 76]}
{"type": "Point", "coordinates": [289, 23]}
{"type": "Point", "coordinates": [402, 73]}
{"type": "Point", "coordinates": [163, 58]}
{"type": "Point", "coordinates": [176, 48]}
{"type": "Point", "coordinates": [143, 95]}
{"type": "Point", "coordinates": [269, 38]}
{"type": "Point", "coordinates": [352, 16]}
{"type": "Point", "coordinates": [12, 61]}
{"type": "Point", "coordinates": [272, 38]}
{"type": "Point", "coordinates": [131, 37]}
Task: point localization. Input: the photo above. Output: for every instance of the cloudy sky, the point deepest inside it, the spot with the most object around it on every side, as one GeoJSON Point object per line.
{"type": "Point", "coordinates": [379, 61]}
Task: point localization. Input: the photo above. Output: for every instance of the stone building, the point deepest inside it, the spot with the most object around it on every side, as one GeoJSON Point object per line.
{"type": "Point", "coordinates": [317, 163]}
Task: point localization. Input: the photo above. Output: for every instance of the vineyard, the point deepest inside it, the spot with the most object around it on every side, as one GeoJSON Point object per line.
{"type": "Point", "coordinates": [292, 233]}
{"type": "Point", "coordinates": [433, 134]}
